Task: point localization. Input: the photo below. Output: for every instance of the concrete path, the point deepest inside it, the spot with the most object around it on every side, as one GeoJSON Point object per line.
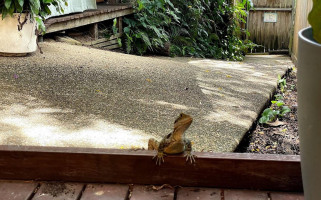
{"type": "Point", "coordinates": [77, 96]}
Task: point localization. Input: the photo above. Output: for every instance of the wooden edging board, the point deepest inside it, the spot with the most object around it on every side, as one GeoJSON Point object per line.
{"type": "Point", "coordinates": [223, 170]}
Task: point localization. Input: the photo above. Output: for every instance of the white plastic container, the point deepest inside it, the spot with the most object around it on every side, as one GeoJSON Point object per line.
{"type": "Point", "coordinates": [13, 41]}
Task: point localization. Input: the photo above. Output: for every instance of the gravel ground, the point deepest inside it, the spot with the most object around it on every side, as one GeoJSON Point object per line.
{"type": "Point", "coordinates": [78, 96]}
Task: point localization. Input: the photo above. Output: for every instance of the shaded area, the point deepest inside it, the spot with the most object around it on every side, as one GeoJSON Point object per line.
{"type": "Point", "coordinates": [77, 96]}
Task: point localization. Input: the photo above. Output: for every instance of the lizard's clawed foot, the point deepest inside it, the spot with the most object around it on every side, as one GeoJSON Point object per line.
{"type": "Point", "coordinates": [159, 158]}
{"type": "Point", "coordinates": [189, 156]}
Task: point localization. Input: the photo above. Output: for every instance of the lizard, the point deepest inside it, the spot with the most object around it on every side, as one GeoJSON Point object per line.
{"type": "Point", "coordinates": [175, 142]}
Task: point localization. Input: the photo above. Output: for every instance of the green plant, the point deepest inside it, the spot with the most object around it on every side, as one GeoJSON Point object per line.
{"type": "Point", "coordinates": [278, 97]}
{"type": "Point", "coordinates": [282, 83]}
{"type": "Point", "coordinates": [315, 20]}
{"type": "Point", "coordinates": [200, 28]}
{"type": "Point", "coordinates": [115, 31]}
{"type": "Point", "coordinates": [277, 110]}
{"type": "Point", "coordinates": [38, 9]}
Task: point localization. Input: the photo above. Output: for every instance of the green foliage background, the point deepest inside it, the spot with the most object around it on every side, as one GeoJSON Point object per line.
{"type": "Point", "coordinates": [200, 28]}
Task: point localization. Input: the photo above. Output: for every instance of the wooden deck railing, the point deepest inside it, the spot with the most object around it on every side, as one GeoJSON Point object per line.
{"type": "Point", "coordinates": [221, 170]}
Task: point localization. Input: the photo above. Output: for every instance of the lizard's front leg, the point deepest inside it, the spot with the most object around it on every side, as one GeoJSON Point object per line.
{"type": "Point", "coordinates": [188, 151]}
{"type": "Point", "coordinates": [154, 145]}
{"type": "Point", "coordinates": [160, 152]}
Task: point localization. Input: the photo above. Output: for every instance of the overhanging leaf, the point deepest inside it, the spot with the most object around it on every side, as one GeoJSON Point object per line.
{"type": "Point", "coordinates": [7, 3]}
{"type": "Point", "coordinates": [315, 20]}
{"type": "Point", "coordinates": [21, 2]}
{"type": "Point", "coordinates": [41, 25]}
{"type": "Point", "coordinates": [35, 6]}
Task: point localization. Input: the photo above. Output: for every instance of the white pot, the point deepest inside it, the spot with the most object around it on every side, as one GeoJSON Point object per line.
{"type": "Point", "coordinates": [12, 40]}
{"type": "Point", "coordinates": [309, 101]}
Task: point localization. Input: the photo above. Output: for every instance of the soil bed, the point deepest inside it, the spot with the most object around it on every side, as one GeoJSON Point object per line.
{"type": "Point", "coordinates": [283, 139]}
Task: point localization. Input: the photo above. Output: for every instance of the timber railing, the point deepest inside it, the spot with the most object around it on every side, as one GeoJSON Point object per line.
{"type": "Point", "coordinates": [224, 170]}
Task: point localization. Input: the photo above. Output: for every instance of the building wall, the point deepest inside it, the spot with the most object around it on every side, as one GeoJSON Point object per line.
{"type": "Point", "coordinates": [303, 8]}
{"type": "Point", "coordinates": [74, 6]}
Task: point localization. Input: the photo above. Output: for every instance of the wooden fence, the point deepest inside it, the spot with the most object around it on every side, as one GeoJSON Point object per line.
{"type": "Point", "coordinates": [303, 8]}
{"type": "Point", "coordinates": [270, 23]}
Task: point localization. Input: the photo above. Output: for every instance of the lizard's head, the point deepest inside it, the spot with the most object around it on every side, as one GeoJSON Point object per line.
{"type": "Point", "coordinates": [183, 121]}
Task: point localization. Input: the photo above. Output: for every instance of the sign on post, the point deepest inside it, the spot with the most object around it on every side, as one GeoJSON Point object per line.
{"type": "Point", "coordinates": [270, 17]}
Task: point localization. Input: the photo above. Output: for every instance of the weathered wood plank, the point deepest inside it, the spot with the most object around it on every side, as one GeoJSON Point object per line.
{"type": "Point", "coordinates": [271, 9]}
{"type": "Point", "coordinates": [286, 196]}
{"type": "Point", "coordinates": [113, 1]}
{"type": "Point", "coordinates": [105, 191]}
{"type": "Point", "coordinates": [120, 24]}
{"type": "Point", "coordinates": [245, 195]}
{"type": "Point", "coordinates": [100, 10]}
{"type": "Point", "coordinates": [188, 193]}
{"type": "Point", "coordinates": [141, 192]}
{"type": "Point", "coordinates": [115, 46]}
{"type": "Point", "coordinates": [16, 190]}
{"type": "Point", "coordinates": [85, 19]}
{"type": "Point", "coordinates": [221, 170]}
{"type": "Point", "coordinates": [104, 39]}
{"type": "Point", "coordinates": [54, 191]}
{"type": "Point", "coordinates": [106, 44]}
{"type": "Point", "coordinates": [93, 30]}
{"type": "Point", "coordinates": [273, 3]}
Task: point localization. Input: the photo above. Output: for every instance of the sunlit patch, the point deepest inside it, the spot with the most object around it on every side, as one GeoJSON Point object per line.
{"type": "Point", "coordinates": [166, 104]}
{"type": "Point", "coordinates": [258, 74]}
{"type": "Point", "coordinates": [51, 110]}
{"type": "Point", "coordinates": [221, 115]}
{"type": "Point", "coordinates": [41, 127]}
{"type": "Point", "coordinates": [99, 193]}
{"type": "Point", "coordinates": [173, 105]}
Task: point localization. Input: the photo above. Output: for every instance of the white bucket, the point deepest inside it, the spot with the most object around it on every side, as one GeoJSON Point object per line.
{"type": "Point", "coordinates": [13, 41]}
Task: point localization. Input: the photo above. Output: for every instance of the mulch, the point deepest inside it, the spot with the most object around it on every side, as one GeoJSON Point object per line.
{"type": "Point", "coordinates": [283, 139]}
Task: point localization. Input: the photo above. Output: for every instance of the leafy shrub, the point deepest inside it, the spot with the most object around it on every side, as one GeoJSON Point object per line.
{"type": "Point", "coordinates": [146, 29]}
{"type": "Point", "coordinates": [200, 28]}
